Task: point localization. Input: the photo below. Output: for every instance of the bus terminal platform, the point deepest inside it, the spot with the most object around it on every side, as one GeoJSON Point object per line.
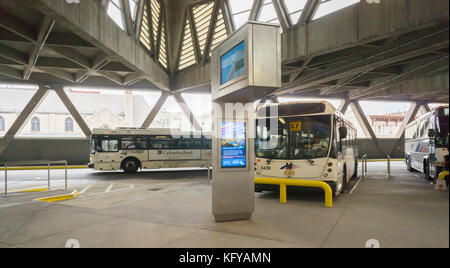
{"type": "Point", "coordinates": [173, 209]}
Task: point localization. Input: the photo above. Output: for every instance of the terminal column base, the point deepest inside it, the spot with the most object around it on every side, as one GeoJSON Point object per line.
{"type": "Point", "coordinates": [233, 217]}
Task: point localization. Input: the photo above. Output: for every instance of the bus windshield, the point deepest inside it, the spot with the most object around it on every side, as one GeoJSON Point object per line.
{"type": "Point", "coordinates": [302, 137]}
{"type": "Point", "coordinates": [442, 128]}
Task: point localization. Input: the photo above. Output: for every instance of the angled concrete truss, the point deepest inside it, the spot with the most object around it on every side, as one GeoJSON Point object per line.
{"type": "Point", "coordinates": [403, 57]}
{"type": "Point", "coordinates": [85, 49]}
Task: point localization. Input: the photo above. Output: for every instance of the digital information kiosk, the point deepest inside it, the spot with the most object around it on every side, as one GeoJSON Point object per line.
{"type": "Point", "coordinates": [244, 68]}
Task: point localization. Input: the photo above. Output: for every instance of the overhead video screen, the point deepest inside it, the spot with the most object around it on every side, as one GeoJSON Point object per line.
{"type": "Point", "coordinates": [232, 64]}
{"type": "Point", "coordinates": [233, 145]}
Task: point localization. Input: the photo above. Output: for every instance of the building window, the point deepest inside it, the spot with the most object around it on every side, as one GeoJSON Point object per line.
{"type": "Point", "coordinates": [35, 124]}
{"type": "Point", "coordinates": [2, 123]}
{"type": "Point", "coordinates": [68, 124]}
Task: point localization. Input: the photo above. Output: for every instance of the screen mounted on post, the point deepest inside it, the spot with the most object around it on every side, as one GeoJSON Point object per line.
{"type": "Point", "coordinates": [232, 63]}
{"type": "Point", "coordinates": [233, 145]}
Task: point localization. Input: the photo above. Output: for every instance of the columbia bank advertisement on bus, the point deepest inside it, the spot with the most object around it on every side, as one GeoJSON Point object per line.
{"type": "Point", "coordinates": [233, 145]}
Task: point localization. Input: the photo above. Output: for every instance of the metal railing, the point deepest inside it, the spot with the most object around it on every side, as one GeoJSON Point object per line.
{"type": "Point", "coordinates": [34, 163]}
{"type": "Point", "coordinates": [364, 166]}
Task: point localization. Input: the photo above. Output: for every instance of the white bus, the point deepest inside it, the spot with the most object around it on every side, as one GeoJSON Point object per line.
{"type": "Point", "coordinates": [130, 149]}
{"type": "Point", "coordinates": [313, 142]}
{"type": "Point", "coordinates": [426, 143]}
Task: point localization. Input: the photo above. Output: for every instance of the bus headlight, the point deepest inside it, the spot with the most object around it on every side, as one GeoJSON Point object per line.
{"type": "Point", "coordinates": [325, 175]}
{"type": "Point", "coordinates": [330, 170]}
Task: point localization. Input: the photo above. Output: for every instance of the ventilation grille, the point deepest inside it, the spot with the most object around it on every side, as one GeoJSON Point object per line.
{"type": "Point", "coordinates": [220, 31]}
{"type": "Point", "coordinates": [162, 46]}
{"type": "Point", "coordinates": [145, 30]}
{"type": "Point", "coordinates": [202, 19]}
{"type": "Point", "coordinates": [187, 56]}
{"type": "Point", "coordinates": [156, 14]}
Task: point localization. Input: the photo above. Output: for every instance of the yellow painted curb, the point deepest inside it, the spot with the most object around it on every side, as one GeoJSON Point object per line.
{"type": "Point", "coordinates": [35, 190]}
{"type": "Point", "coordinates": [43, 167]}
{"type": "Point", "coordinates": [382, 160]}
{"type": "Point", "coordinates": [58, 198]}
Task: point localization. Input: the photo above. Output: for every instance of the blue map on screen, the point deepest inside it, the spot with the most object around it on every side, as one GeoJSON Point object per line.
{"type": "Point", "coordinates": [233, 145]}
{"type": "Point", "coordinates": [232, 64]}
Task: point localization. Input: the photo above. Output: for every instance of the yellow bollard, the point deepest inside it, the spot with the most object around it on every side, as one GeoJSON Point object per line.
{"type": "Point", "coordinates": [442, 175]}
{"type": "Point", "coordinates": [283, 194]}
{"type": "Point", "coordinates": [304, 183]}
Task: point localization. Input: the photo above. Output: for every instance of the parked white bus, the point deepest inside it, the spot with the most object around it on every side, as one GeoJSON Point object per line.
{"type": "Point", "coordinates": [426, 143]}
{"type": "Point", "coordinates": [313, 142]}
{"type": "Point", "coordinates": [130, 149]}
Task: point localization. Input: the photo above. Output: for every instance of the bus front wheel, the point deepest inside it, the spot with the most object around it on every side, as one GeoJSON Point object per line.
{"type": "Point", "coordinates": [408, 164]}
{"type": "Point", "coordinates": [130, 165]}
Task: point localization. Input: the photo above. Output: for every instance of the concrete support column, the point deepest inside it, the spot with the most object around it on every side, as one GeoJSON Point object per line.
{"type": "Point", "coordinates": [73, 111]}
{"type": "Point", "coordinates": [426, 107]}
{"type": "Point", "coordinates": [183, 105]}
{"type": "Point", "coordinates": [364, 123]}
{"type": "Point", "coordinates": [151, 116]}
{"type": "Point", "coordinates": [412, 112]}
{"type": "Point", "coordinates": [23, 117]}
{"type": "Point", "coordinates": [410, 116]}
{"type": "Point", "coordinates": [343, 107]}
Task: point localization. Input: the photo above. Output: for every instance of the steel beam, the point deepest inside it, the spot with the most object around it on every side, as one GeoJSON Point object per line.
{"type": "Point", "coordinates": [44, 31]}
{"type": "Point", "coordinates": [155, 110]}
{"type": "Point", "coordinates": [138, 19]}
{"type": "Point", "coordinates": [364, 123]}
{"type": "Point", "coordinates": [73, 111]}
{"type": "Point", "coordinates": [16, 26]}
{"type": "Point", "coordinates": [13, 55]}
{"type": "Point", "coordinates": [11, 72]}
{"type": "Point", "coordinates": [256, 10]}
{"type": "Point", "coordinates": [283, 16]}
{"type": "Point", "coordinates": [309, 11]}
{"type": "Point", "coordinates": [127, 17]}
{"type": "Point", "coordinates": [404, 48]}
{"type": "Point", "coordinates": [437, 65]}
{"type": "Point", "coordinates": [23, 117]}
{"type": "Point", "coordinates": [229, 23]}
{"type": "Point", "coordinates": [183, 105]}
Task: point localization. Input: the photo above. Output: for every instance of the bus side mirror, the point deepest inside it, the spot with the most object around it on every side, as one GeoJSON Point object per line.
{"type": "Point", "coordinates": [431, 133]}
{"type": "Point", "coordinates": [343, 132]}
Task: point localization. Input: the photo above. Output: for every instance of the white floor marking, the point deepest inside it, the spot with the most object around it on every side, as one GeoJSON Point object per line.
{"type": "Point", "coordinates": [85, 189]}
{"type": "Point", "coordinates": [109, 188]}
{"type": "Point", "coordinates": [131, 186]}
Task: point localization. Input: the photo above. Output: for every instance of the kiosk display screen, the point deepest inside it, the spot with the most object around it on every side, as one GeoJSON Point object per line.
{"type": "Point", "coordinates": [232, 64]}
{"type": "Point", "coordinates": [233, 145]}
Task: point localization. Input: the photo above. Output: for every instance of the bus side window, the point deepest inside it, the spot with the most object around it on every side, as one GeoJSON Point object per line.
{"type": "Point", "coordinates": [127, 143]}
{"type": "Point", "coordinates": [196, 144]}
{"type": "Point", "coordinates": [110, 145]}
{"type": "Point", "coordinates": [206, 144]}
{"type": "Point", "coordinates": [140, 143]}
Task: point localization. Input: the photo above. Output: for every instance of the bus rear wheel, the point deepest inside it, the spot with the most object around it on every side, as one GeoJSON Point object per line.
{"type": "Point", "coordinates": [426, 171]}
{"type": "Point", "coordinates": [130, 165]}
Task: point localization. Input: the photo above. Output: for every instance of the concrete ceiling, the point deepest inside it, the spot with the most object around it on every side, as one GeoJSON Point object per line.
{"type": "Point", "coordinates": [396, 50]}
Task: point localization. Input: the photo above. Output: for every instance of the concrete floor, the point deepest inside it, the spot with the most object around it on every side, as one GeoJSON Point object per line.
{"type": "Point", "coordinates": [173, 209]}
